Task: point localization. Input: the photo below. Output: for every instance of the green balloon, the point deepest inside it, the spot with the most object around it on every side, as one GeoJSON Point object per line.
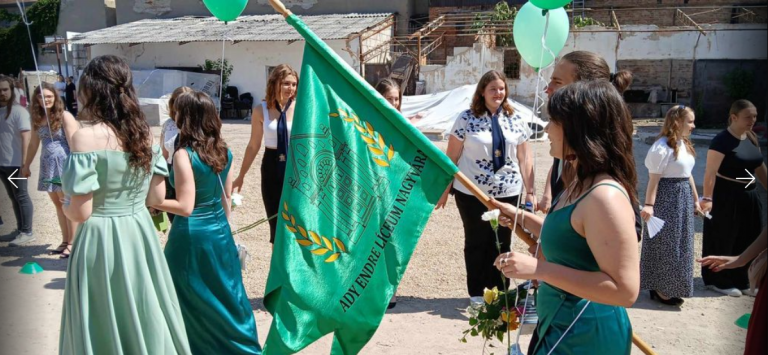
{"type": "Point", "coordinates": [550, 4]}
{"type": "Point", "coordinates": [529, 28]}
{"type": "Point", "coordinates": [226, 10]}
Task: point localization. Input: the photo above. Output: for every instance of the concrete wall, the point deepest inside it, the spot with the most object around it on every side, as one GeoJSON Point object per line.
{"type": "Point", "coordinates": [82, 16]}
{"type": "Point", "coordinates": [466, 67]}
{"type": "Point", "coordinates": [249, 59]}
{"type": "Point", "coordinates": [134, 10]}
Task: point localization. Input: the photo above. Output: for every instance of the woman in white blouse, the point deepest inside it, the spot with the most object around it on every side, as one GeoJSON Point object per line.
{"type": "Point", "coordinates": [666, 266]}
{"type": "Point", "coordinates": [489, 145]}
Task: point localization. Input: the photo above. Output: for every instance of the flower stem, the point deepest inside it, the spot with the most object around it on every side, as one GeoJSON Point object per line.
{"type": "Point", "coordinates": [506, 290]}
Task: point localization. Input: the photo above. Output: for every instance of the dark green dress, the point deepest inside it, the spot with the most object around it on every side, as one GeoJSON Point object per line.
{"type": "Point", "coordinates": [601, 329]}
{"type": "Point", "coordinates": [205, 268]}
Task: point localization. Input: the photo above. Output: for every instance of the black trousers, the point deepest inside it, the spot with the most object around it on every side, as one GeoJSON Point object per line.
{"type": "Point", "coordinates": [271, 188]}
{"type": "Point", "coordinates": [22, 204]}
{"type": "Point", "coordinates": [480, 250]}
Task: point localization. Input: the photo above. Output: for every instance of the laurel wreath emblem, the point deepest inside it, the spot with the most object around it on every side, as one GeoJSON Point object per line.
{"type": "Point", "coordinates": [382, 154]}
{"type": "Point", "coordinates": [307, 238]}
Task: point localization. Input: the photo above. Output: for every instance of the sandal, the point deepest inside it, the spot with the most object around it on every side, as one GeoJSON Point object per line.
{"type": "Point", "coordinates": [60, 249]}
{"type": "Point", "coordinates": [67, 252]}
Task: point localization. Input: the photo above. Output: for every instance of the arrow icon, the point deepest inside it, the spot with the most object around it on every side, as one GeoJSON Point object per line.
{"type": "Point", "coordinates": [11, 178]}
{"type": "Point", "coordinates": [751, 178]}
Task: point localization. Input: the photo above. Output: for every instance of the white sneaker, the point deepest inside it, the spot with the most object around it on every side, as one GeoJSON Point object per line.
{"type": "Point", "coordinates": [476, 301]}
{"type": "Point", "coordinates": [749, 292]}
{"type": "Point", "coordinates": [21, 239]}
{"type": "Point", "coordinates": [733, 292]}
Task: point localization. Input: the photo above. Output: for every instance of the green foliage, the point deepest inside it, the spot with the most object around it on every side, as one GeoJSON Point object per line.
{"type": "Point", "coordinates": [44, 16]}
{"type": "Point", "coordinates": [215, 64]}
{"type": "Point", "coordinates": [579, 22]}
{"type": "Point", "coordinates": [738, 83]}
{"type": "Point", "coordinates": [501, 13]}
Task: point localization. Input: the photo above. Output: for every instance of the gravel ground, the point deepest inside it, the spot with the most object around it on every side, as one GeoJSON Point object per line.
{"type": "Point", "coordinates": [430, 313]}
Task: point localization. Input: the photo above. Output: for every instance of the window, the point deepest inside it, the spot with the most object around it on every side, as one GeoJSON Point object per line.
{"type": "Point", "coordinates": [512, 64]}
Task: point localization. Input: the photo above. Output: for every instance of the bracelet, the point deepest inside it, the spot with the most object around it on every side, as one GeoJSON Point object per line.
{"type": "Point", "coordinates": [649, 204]}
{"type": "Point", "coordinates": [704, 198]}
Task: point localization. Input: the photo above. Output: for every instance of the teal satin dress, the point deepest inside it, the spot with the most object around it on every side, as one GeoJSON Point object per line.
{"type": "Point", "coordinates": [205, 268]}
{"type": "Point", "coordinates": [601, 329]}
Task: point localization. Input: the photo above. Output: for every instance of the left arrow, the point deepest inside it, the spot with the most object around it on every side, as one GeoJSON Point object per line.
{"type": "Point", "coordinates": [11, 178]}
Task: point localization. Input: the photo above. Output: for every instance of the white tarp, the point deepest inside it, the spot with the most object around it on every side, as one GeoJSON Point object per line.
{"type": "Point", "coordinates": [154, 84]}
{"type": "Point", "coordinates": [438, 111]}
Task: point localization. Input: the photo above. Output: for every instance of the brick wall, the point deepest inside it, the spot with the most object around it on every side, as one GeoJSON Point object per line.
{"type": "Point", "coordinates": [672, 73]}
{"type": "Point", "coordinates": [666, 17]}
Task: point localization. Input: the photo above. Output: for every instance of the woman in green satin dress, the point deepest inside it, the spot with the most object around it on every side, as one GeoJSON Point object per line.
{"type": "Point", "coordinates": [201, 253]}
{"type": "Point", "coordinates": [119, 297]}
{"type": "Point", "coordinates": [589, 267]}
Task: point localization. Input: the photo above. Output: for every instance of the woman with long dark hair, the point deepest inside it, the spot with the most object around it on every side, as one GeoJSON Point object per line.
{"type": "Point", "coordinates": [52, 126]}
{"type": "Point", "coordinates": [489, 144]}
{"type": "Point", "coordinates": [736, 206]}
{"type": "Point", "coordinates": [577, 66]}
{"type": "Point", "coordinates": [273, 124]}
{"type": "Point", "coordinates": [590, 270]}
{"type": "Point", "coordinates": [119, 296]}
{"type": "Point", "coordinates": [168, 134]}
{"type": "Point", "coordinates": [201, 253]}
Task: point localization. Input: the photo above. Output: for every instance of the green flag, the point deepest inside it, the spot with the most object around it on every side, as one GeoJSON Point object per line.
{"type": "Point", "coordinates": [360, 184]}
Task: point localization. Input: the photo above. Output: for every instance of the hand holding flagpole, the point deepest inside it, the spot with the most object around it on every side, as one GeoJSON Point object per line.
{"type": "Point", "coordinates": [279, 7]}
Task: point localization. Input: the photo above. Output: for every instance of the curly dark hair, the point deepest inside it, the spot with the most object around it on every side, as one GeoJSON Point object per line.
{"type": "Point", "coordinates": [108, 96]}
{"type": "Point", "coordinates": [200, 128]}
{"type": "Point", "coordinates": [55, 113]}
{"type": "Point", "coordinates": [597, 129]}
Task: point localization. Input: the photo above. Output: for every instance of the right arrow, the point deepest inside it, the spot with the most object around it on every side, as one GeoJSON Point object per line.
{"type": "Point", "coordinates": [751, 178]}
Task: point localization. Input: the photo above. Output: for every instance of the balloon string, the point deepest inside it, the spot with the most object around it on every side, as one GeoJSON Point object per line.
{"type": "Point", "coordinates": [538, 104]}
{"type": "Point", "coordinates": [27, 23]}
{"type": "Point", "coordinates": [221, 70]}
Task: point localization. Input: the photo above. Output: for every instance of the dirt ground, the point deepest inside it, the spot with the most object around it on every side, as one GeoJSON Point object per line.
{"type": "Point", "coordinates": [430, 315]}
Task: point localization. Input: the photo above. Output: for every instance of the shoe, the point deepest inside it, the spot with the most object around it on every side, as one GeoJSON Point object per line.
{"type": "Point", "coordinates": [1, 221]}
{"type": "Point", "coordinates": [476, 301]}
{"type": "Point", "coordinates": [673, 301]}
{"type": "Point", "coordinates": [733, 292]}
{"type": "Point", "coordinates": [22, 239]}
{"type": "Point", "coordinates": [10, 236]}
{"type": "Point", "coordinates": [749, 292]}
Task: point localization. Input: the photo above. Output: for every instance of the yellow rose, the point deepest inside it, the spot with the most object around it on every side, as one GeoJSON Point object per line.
{"type": "Point", "coordinates": [490, 295]}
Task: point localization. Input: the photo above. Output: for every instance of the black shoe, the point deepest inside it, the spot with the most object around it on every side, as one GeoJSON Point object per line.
{"type": "Point", "coordinates": [674, 301]}
{"type": "Point", "coordinates": [392, 305]}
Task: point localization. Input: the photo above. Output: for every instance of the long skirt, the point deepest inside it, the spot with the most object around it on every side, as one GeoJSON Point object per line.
{"type": "Point", "coordinates": [736, 222]}
{"type": "Point", "coordinates": [666, 263]}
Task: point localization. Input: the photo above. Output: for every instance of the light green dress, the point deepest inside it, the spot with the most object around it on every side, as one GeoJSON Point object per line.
{"type": "Point", "coordinates": [119, 297]}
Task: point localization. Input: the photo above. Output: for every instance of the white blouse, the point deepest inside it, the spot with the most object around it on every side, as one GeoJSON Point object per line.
{"type": "Point", "coordinates": [270, 128]}
{"type": "Point", "coordinates": [169, 133]}
{"type": "Point", "coordinates": [476, 161]}
{"type": "Point", "coordinates": [661, 160]}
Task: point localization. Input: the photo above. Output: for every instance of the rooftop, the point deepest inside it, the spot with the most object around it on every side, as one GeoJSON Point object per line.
{"type": "Point", "coordinates": [245, 28]}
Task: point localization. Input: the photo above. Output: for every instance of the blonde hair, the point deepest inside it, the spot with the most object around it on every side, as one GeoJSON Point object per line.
{"type": "Point", "coordinates": [673, 126]}
{"type": "Point", "coordinates": [277, 76]}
